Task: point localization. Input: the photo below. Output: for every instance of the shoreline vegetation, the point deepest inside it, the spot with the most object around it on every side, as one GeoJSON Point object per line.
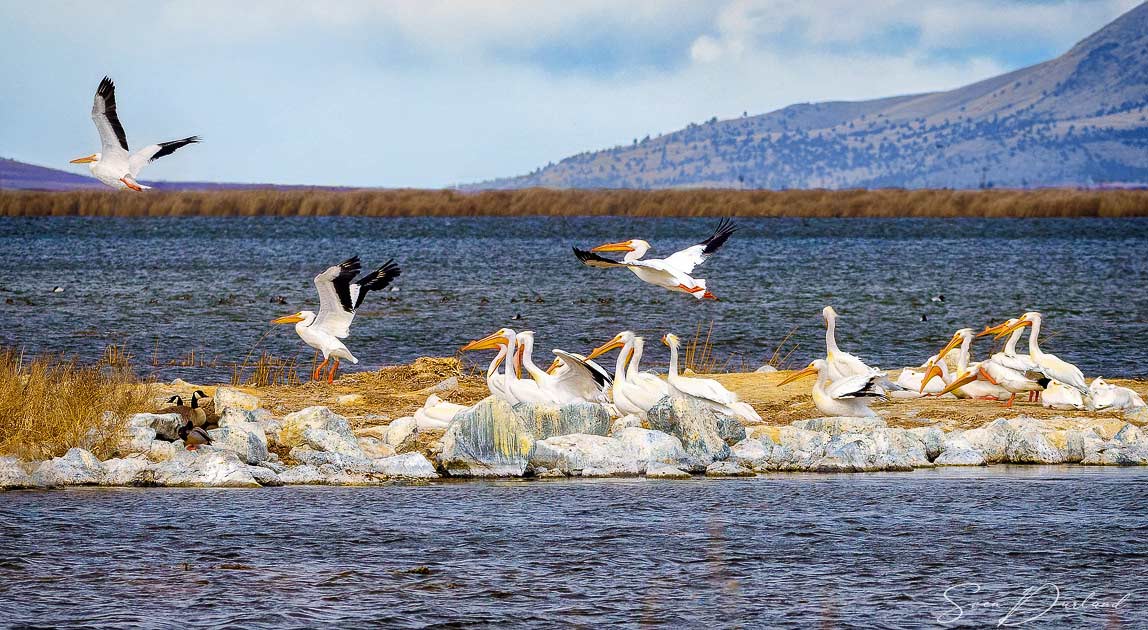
{"type": "Point", "coordinates": [1047, 202]}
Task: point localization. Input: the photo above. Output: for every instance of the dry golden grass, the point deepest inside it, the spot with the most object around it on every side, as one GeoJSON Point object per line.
{"type": "Point", "coordinates": [1049, 202]}
{"type": "Point", "coordinates": [49, 404]}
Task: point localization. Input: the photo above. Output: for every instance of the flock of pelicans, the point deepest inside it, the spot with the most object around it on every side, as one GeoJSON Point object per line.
{"type": "Point", "coordinates": [845, 385]}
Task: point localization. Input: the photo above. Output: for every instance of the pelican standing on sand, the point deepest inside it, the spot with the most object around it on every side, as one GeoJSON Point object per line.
{"type": "Point", "coordinates": [113, 165]}
{"type": "Point", "coordinates": [974, 381]}
{"type": "Point", "coordinates": [672, 272]}
{"type": "Point", "coordinates": [339, 296]}
{"type": "Point", "coordinates": [707, 390]}
{"type": "Point", "coordinates": [847, 397]}
{"type": "Point", "coordinates": [1052, 366]}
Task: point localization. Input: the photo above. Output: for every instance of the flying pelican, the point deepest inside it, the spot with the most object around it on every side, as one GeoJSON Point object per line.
{"type": "Point", "coordinates": [113, 165]}
{"type": "Point", "coordinates": [339, 296]}
{"type": "Point", "coordinates": [1053, 367]}
{"type": "Point", "coordinates": [975, 381]}
{"type": "Point", "coordinates": [634, 392]}
{"type": "Point", "coordinates": [583, 381]}
{"type": "Point", "coordinates": [672, 272]}
{"type": "Point", "coordinates": [850, 396]}
{"type": "Point", "coordinates": [706, 390]}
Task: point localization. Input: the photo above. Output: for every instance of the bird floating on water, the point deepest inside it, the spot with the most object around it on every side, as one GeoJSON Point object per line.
{"type": "Point", "coordinates": [672, 272]}
{"type": "Point", "coordinates": [339, 296]}
{"type": "Point", "coordinates": [113, 165]}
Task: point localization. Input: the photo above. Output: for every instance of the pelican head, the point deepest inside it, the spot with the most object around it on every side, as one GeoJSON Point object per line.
{"type": "Point", "coordinates": [968, 375]}
{"type": "Point", "coordinates": [301, 316]}
{"type": "Point", "coordinates": [1031, 318]}
{"type": "Point", "coordinates": [619, 340]}
{"type": "Point", "coordinates": [671, 340]}
{"type": "Point", "coordinates": [813, 368]}
{"type": "Point", "coordinates": [500, 337]}
{"type": "Point", "coordinates": [958, 338]}
{"type": "Point", "coordinates": [932, 370]}
{"type": "Point", "coordinates": [1000, 330]}
{"type": "Point", "coordinates": [95, 157]}
{"type": "Point", "coordinates": [829, 314]}
{"type": "Point", "coordinates": [635, 248]}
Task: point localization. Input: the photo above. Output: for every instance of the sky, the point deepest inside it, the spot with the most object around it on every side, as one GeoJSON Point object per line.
{"type": "Point", "coordinates": [433, 93]}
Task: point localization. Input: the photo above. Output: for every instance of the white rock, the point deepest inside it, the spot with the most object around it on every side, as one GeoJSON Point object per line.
{"type": "Point", "coordinates": [696, 425]}
{"type": "Point", "coordinates": [585, 455]}
{"type": "Point", "coordinates": [165, 425]}
{"type": "Point", "coordinates": [728, 469]}
{"type": "Point", "coordinates": [332, 442]}
{"type": "Point", "coordinates": [765, 369]}
{"type": "Point", "coordinates": [838, 425]}
{"type": "Point", "coordinates": [229, 398]}
{"type": "Point", "coordinates": [856, 452]}
{"type": "Point", "coordinates": [798, 439]}
{"type": "Point", "coordinates": [652, 446]}
{"type": "Point", "coordinates": [235, 433]}
{"type": "Point", "coordinates": [954, 457]}
{"type": "Point", "coordinates": [374, 448]}
{"type": "Point", "coordinates": [135, 438]}
{"type": "Point", "coordinates": [265, 476]}
{"type": "Point", "coordinates": [308, 455]}
{"type": "Point", "coordinates": [406, 466]}
{"type": "Point", "coordinates": [294, 424]}
{"type": "Point", "coordinates": [932, 438]}
{"type": "Point", "coordinates": [901, 445]}
{"type": "Point", "coordinates": [1029, 446]}
{"type": "Point", "coordinates": [129, 471]}
{"type": "Point", "coordinates": [349, 399]}
{"type": "Point", "coordinates": [301, 475]}
{"type": "Point", "coordinates": [399, 429]}
{"type": "Point", "coordinates": [1081, 444]}
{"type": "Point", "coordinates": [14, 476]}
{"type": "Point", "coordinates": [625, 422]}
{"type": "Point", "coordinates": [658, 470]}
{"type": "Point", "coordinates": [76, 468]}
{"type": "Point", "coordinates": [752, 452]}
{"type": "Point", "coordinates": [205, 467]}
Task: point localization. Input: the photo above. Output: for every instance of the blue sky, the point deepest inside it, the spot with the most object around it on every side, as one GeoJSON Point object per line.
{"type": "Point", "coordinates": [431, 93]}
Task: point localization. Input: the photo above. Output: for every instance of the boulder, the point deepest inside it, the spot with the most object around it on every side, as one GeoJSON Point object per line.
{"type": "Point", "coordinates": [332, 442]}
{"type": "Point", "coordinates": [160, 451]}
{"type": "Point", "coordinates": [13, 475]}
{"type": "Point", "coordinates": [730, 429]}
{"type": "Point", "coordinates": [547, 421]}
{"type": "Point", "coordinates": [1081, 444]}
{"type": "Point", "coordinates": [856, 452]}
{"type": "Point", "coordinates": [728, 469]}
{"type": "Point", "coordinates": [585, 455]}
{"type": "Point", "coordinates": [165, 425]}
{"type": "Point", "coordinates": [264, 476]}
{"type": "Point", "coordinates": [205, 467]}
{"type": "Point", "coordinates": [752, 452]}
{"type": "Point", "coordinates": [399, 430]}
{"type": "Point", "coordinates": [959, 457]}
{"type": "Point", "coordinates": [802, 440]}
{"type": "Point", "coordinates": [990, 440]}
{"type": "Point", "coordinates": [838, 425]}
{"type": "Point", "coordinates": [425, 441]}
{"type": "Point", "coordinates": [301, 475]}
{"type": "Point", "coordinates": [316, 458]}
{"type": "Point", "coordinates": [229, 398]}
{"type": "Point", "coordinates": [129, 471]}
{"type": "Point", "coordinates": [765, 369]}
{"type": "Point", "coordinates": [658, 470]}
{"type": "Point", "coordinates": [135, 438]}
{"type": "Point", "coordinates": [902, 445]}
{"type": "Point", "coordinates": [932, 438]}
{"type": "Point", "coordinates": [294, 424]}
{"type": "Point", "coordinates": [77, 467]}
{"type": "Point", "coordinates": [244, 437]}
{"type": "Point", "coordinates": [1030, 446]}
{"type": "Point", "coordinates": [695, 424]}
{"type": "Point", "coordinates": [374, 448]}
{"type": "Point", "coordinates": [649, 446]}
{"type": "Point", "coordinates": [625, 422]}
{"type": "Point", "coordinates": [487, 440]}
{"type": "Point", "coordinates": [405, 466]}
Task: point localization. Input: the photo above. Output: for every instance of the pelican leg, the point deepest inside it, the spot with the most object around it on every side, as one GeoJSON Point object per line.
{"type": "Point", "coordinates": [985, 375]}
{"type": "Point", "coordinates": [319, 370]}
{"type": "Point", "coordinates": [690, 289]}
{"type": "Point", "coordinates": [709, 296]}
{"type": "Point", "coordinates": [1010, 399]}
{"type": "Point", "coordinates": [334, 368]}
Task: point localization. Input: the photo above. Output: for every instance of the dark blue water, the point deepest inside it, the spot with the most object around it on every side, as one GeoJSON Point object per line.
{"type": "Point", "coordinates": [600, 553]}
{"type": "Point", "coordinates": [205, 284]}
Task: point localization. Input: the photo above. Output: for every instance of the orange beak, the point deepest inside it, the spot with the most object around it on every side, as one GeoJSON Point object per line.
{"type": "Point", "coordinates": [959, 382]}
{"type": "Point", "coordinates": [629, 357]}
{"type": "Point", "coordinates": [518, 362]}
{"type": "Point", "coordinates": [623, 246]}
{"type": "Point", "coordinates": [84, 160]}
{"type": "Point", "coordinates": [953, 343]}
{"type": "Point", "coordinates": [616, 342]}
{"type": "Point", "coordinates": [809, 371]}
{"type": "Point", "coordinates": [931, 372]}
{"type": "Point", "coordinates": [288, 319]}
{"type": "Point", "coordinates": [994, 330]}
{"type": "Point", "coordinates": [1021, 324]}
{"type": "Point", "coordinates": [553, 366]}
{"type": "Point", "coordinates": [489, 342]}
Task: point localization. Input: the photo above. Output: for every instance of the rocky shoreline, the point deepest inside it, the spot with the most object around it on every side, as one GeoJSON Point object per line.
{"type": "Point", "coordinates": [678, 440]}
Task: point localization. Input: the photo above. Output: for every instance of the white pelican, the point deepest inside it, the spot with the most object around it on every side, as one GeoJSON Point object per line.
{"type": "Point", "coordinates": [672, 272]}
{"type": "Point", "coordinates": [582, 381]}
{"type": "Point", "coordinates": [1057, 395]}
{"type": "Point", "coordinates": [1014, 373]}
{"type": "Point", "coordinates": [495, 382]}
{"type": "Point", "coordinates": [339, 296]}
{"type": "Point", "coordinates": [633, 392]}
{"type": "Point", "coordinates": [1109, 397]}
{"type": "Point", "coordinates": [706, 390]}
{"type": "Point", "coordinates": [842, 364]}
{"type": "Point", "coordinates": [436, 413]}
{"type": "Point", "coordinates": [113, 165]}
{"type": "Point", "coordinates": [975, 381]}
{"type": "Point", "coordinates": [512, 389]}
{"type": "Point", "coordinates": [913, 379]}
{"type": "Point", "coordinates": [850, 396]}
{"type": "Point", "coordinates": [1052, 366]}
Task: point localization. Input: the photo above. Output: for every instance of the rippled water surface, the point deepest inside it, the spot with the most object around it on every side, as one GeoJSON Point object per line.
{"type": "Point", "coordinates": [168, 286]}
{"type": "Point", "coordinates": [785, 551]}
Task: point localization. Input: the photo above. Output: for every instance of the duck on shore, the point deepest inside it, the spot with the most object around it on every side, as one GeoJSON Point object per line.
{"type": "Point", "coordinates": [193, 437]}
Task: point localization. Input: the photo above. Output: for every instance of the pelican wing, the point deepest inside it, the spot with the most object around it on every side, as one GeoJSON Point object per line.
{"type": "Point", "coordinates": [690, 257]}
{"type": "Point", "coordinates": [590, 259]}
{"type": "Point", "coordinates": [859, 386]}
{"type": "Point", "coordinates": [336, 298]}
{"type": "Point", "coordinates": [153, 152]}
{"type": "Point", "coordinates": [706, 388]}
{"type": "Point", "coordinates": [112, 136]}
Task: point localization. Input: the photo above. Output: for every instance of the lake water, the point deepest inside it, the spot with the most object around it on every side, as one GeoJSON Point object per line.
{"type": "Point", "coordinates": [760, 552]}
{"type": "Point", "coordinates": [167, 286]}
